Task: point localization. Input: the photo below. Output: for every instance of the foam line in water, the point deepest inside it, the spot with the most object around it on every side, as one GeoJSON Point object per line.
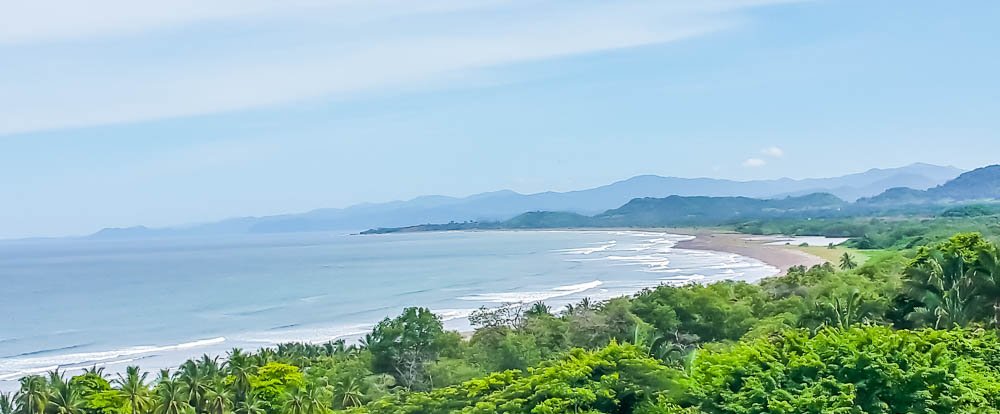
{"type": "Point", "coordinates": [47, 351]}
{"type": "Point", "coordinates": [452, 314]}
{"type": "Point", "coordinates": [18, 367]}
{"type": "Point", "coordinates": [313, 335]}
{"type": "Point", "coordinates": [589, 250]}
{"type": "Point", "coordinates": [36, 370]}
{"type": "Point", "coordinates": [537, 296]}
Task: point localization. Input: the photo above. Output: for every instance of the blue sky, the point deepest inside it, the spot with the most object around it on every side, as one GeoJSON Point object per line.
{"type": "Point", "coordinates": [116, 113]}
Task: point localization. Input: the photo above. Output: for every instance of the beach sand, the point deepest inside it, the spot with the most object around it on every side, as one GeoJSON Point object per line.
{"type": "Point", "coordinates": [782, 257]}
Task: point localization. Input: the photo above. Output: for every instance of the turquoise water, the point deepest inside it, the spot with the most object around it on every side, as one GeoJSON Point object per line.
{"type": "Point", "coordinates": [77, 303]}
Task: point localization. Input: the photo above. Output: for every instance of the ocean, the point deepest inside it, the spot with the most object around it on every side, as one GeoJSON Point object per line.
{"type": "Point", "coordinates": [76, 303]}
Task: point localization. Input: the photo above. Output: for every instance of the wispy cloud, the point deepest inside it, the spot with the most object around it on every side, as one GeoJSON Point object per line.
{"type": "Point", "coordinates": [66, 20]}
{"type": "Point", "coordinates": [754, 163]}
{"type": "Point", "coordinates": [143, 61]}
{"type": "Point", "coordinates": [773, 152]}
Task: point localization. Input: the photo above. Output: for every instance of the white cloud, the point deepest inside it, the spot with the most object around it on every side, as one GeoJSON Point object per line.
{"type": "Point", "coordinates": [754, 163]}
{"type": "Point", "coordinates": [80, 64]}
{"type": "Point", "coordinates": [773, 152]}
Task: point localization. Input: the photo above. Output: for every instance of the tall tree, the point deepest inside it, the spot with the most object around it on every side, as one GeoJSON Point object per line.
{"type": "Point", "coordinates": [240, 368]}
{"type": "Point", "coordinates": [314, 401]}
{"type": "Point", "coordinates": [347, 393]}
{"type": "Point", "coordinates": [195, 382]}
{"type": "Point", "coordinates": [7, 403]}
{"type": "Point", "coordinates": [95, 371]}
{"type": "Point", "coordinates": [33, 396]}
{"type": "Point", "coordinates": [296, 403]}
{"type": "Point", "coordinates": [171, 397]}
{"type": "Point", "coordinates": [847, 262]}
{"type": "Point", "coordinates": [209, 367]}
{"type": "Point", "coordinates": [987, 269]}
{"type": "Point", "coordinates": [945, 287]}
{"type": "Point", "coordinates": [217, 398]}
{"type": "Point", "coordinates": [845, 311]}
{"type": "Point", "coordinates": [132, 387]}
{"type": "Point", "coordinates": [403, 346]}
{"type": "Point", "coordinates": [63, 398]}
{"type": "Point", "coordinates": [251, 404]}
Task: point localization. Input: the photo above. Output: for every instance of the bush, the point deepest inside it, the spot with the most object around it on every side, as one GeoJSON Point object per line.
{"type": "Point", "coordinates": [870, 370]}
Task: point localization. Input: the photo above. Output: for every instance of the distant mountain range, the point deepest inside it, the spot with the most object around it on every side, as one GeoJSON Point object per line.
{"type": "Point", "coordinates": [504, 205]}
{"type": "Point", "coordinates": [979, 186]}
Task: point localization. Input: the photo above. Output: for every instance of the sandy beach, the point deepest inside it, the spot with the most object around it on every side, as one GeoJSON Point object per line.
{"type": "Point", "coordinates": [782, 257]}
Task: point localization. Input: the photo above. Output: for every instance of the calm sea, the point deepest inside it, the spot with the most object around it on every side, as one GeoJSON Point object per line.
{"type": "Point", "coordinates": [78, 303]}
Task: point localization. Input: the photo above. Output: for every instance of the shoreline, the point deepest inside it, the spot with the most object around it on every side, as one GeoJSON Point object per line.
{"type": "Point", "coordinates": [782, 257]}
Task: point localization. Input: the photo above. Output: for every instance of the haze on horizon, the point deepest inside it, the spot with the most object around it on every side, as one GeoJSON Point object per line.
{"type": "Point", "coordinates": [114, 113]}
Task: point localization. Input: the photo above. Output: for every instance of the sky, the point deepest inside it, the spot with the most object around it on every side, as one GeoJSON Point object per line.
{"type": "Point", "coordinates": [117, 113]}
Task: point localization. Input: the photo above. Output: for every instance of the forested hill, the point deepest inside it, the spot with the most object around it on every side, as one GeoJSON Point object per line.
{"type": "Point", "coordinates": [676, 210]}
{"type": "Point", "coordinates": [981, 184]}
{"type": "Point", "coordinates": [669, 211]}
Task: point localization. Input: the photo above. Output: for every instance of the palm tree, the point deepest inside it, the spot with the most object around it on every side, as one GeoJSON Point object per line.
{"type": "Point", "coordinates": [848, 311]}
{"type": "Point", "coordinates": [538, 309]}
{"type": "Point", "coordinates": [672, 347]}
{"type": "Point", "coordinates": [314, 401]}
{"type": "Point", "coordinates": [337, 347]}
{"type": "Point", "coordinates": [347, 393]}
{"type": "Point", "coordinates": [164, 375]}
{"type": "Point", "coordinates": [263, 356]}
{"type": "Point", "coordinates": [195, 384]}
{"type": "Point", "coordinates": [95, 370]}
{"type": "Point", "coordinates": [240, 366]}
{"type": "Point", "coordinates": [378, 383]}
{"type": "Point", "coordinates": [250, 405]}
{"type": "Point", "coordinates": [132, 387]}
{"type": "Point", "coordinates": [669, 347]}
{"type": "Point", "coordinates": [296, 404]}
{"type": "Point", "coordinates": [171, 397]}
{"type": "Point", "coordinates": [988, 272]}
{"type": "Point", "coordinates": [366, 341]}
{"type": "Point", "coordinates": [33, 396]}
{"type": "Point", "coordinates": [209, 366]}
{"type": "Point", "coordinates": [946, 288]}
{"type": "Point", "coordinates": [63, 399]}
{"type": "Point", "coordinates": [847, 262]}
{"type": "Point", "coordinates": [304, 402]}
{"type": "Point", "coordinates": [6, 403]}
{"type": "Point", "coordinates": [217, 398]}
